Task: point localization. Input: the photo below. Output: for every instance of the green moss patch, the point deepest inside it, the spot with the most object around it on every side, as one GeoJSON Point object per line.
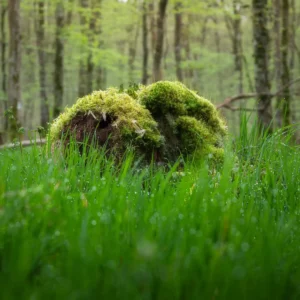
{"type": "Point", "coordinates": [190, 123]}
{"type": "Point", "coordinates": [165, 117]}
{"type": "Point", "coordinates": [109, 116]}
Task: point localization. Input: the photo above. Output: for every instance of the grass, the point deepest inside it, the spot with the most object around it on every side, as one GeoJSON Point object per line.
{"type": "Point", "coordinates": [80, 228]}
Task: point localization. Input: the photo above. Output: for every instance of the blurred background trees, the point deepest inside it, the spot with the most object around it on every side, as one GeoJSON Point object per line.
{"type": "Point", "coordinates": [243, 55]}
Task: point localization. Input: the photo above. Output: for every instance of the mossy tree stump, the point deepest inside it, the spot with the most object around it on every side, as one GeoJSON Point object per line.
{"type": "Point", "coordinates": [164, 120]}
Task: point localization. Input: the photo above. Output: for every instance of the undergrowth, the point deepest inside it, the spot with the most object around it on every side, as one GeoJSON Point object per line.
{"type": "Point", "coordinates": [80, 227]}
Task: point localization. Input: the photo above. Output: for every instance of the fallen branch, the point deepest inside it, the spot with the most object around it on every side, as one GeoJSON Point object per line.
{"type": "Point", "coordinates": [227, 103]}
{"type": "Point", "coordinates": [24, 144]}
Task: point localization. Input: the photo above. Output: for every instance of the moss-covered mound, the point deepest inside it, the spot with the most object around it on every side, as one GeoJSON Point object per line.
{"type": "Point", "coordinates": [108, 118]}
{"type": "Point", "coordinates": [165, 118]}
{"type": "Point", "coordinates": [190, 124]}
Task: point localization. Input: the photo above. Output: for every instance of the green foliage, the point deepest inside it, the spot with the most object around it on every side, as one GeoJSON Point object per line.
{"type": "Point", "coordinates": [78, 228]}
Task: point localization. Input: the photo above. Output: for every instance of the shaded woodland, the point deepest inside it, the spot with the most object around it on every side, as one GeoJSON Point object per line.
{"type": "Point", "coordinates": [242, 55]}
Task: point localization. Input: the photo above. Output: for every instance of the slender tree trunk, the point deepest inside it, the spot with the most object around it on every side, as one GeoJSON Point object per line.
{"type": "Point", "coordinates": [40, 32]}
{"type": "Point", "coordinates": [261, 45]}
{"type": "Point", "coordinates": [277, 58]}
{"type": "Point", "coordinates": [157, 70]}
{"type": "Point", "coordinates": [59, 61]}
{"type": "Point", "coordinates": [218, 48]}
{"type": "Point", "coordinates": [90, 61]}
{"type": "Point", "coordinates": [82, 88]}
{"type": "Point", "coordinates": [153, 24]}
{"type": "Point", "coordinates": [132, 51]}
{"type": "Point", "coordinates": [145, 44]}
{"type": "Point", "coordinates": [292, 48]}
{"type": "Point", "coordinates": [3, 101]}
{"type": "Point", "coordinates": [177, 42]}
{"type": "Point", "coordinates": [285, 75]}
{"type": "Point", "coordinates": [14, 78]}
{"type": "Point", "coordinates": [237, 43]}
{"type": "Point", "coordinates": [100, 72]}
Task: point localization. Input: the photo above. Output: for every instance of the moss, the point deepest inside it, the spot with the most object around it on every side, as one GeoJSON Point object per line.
{"type": "Point", "coordinates": [175, 98]}
{"type": "Point", "coordinates": [164, 117]}
{"type": "Point", "coordinates": [190, 123]}
{"type": "Point", "coordinates": [197, 139]}
{"type": "Point", "coordinates": [164, 97]}
{"type": "Point", "coordinates": [129, 123]}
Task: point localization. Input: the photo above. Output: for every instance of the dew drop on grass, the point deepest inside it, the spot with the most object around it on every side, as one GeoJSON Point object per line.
{"type": "Point", "coordinates": [239, 272]}
{"type": "Point", "coordinates": [253, 219]}
{"type": "Point", "coordinates": [245, 247]}
{"type": "Point", "coordinates": [193, 231]}
{"type": "Point", "coordinates": [105, 218]}
{"type": "Point", "coordinates": [146, 249]}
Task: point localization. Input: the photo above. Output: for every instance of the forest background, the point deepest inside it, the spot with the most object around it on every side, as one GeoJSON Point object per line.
{"type": "Point", "coordinates": [241, 55]}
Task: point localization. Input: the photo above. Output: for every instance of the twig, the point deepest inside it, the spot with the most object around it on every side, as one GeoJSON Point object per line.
{"type": "Point", "coordinates": [230, 100]}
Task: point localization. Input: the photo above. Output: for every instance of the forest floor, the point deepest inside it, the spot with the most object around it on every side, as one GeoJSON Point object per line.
{"type": "Point", "coordinates": [79, 228]}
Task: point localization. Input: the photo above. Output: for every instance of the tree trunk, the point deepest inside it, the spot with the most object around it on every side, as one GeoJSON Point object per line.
{"type": "Point", "coordinates": [177, 42]}
{"type": "Point", "coordinates": [40, 32]}
{"type": "Point", "coordinates": [285, 75]}
{"type": "Point", "coordinates": [90, 61]}
{"type": "Point", "coordinates": [157, 70]}
{"type": "Point", "coordinates": [237, 46]}
{"type": "Point", "coordinates": [132, 51]}
{"type": "Point", "coordinates": [292, 43]}
{"type": "Point", "coordinates": [3, 101]}
{"type": "Point", "coordinates": [101, 72]}
{"type": "Point", "coordinates": [277, 58]}
{"type": "Point", "coordinates": [237, 43]}
{"type": "Point", "coordinates": [218, 48]}
{"type": "Point", "coordinates": [59, 61]}
{"type": "Point", "coordinates": [261, 45]}
{"type": "Point", "coordinates": [152, 26]}
{"type": "Point", "coordinates": [82, 88]}
{"type": "Point", "coordinates": [14, 78]}
{"type": "Point", "coordinates": [145, 44]}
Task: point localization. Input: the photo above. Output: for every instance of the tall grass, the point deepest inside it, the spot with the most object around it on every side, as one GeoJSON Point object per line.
{"type": "Point", "coordinates": [81, 228]}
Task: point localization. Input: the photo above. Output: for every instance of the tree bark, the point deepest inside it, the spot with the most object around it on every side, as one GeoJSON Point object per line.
{"type": "Point", "coordinates": [97, 32]}
{"type": "Point", "coordinates": [82, 88]}
{"type": "Point", "coordinates": [59, 61]}
{"type": "Point", "coordinates": [14, 78]}
{"type": "Point", "coordinates": [293, 34]}
{"type": "Point", "coordinates": [285, 75]}
{"type": "Point", "coordinates": [152, 25]}
{"type": "Point", "coordinates": [3, 106]}
{"type": "Point", "coordinates": [237, 42]}
{"type": "Point", "coordinates": [40, 33]}
{"type": "Point", "coordinates": [261, 45]}
{"type": "Point", "coordinates": [132, 51]}
{"type": "Point", "coordinates": [218, 48]}
{"type": "Point", "coordinates": [177, 42]}
{"type": "Point", "coordinates": [90, 61]}
{"type": "Point", "coordinates": [277, 57]}
{"type": "Point", "coordinates": [145, 44]}
{"type": "Point", "coordinates": [157, 70]}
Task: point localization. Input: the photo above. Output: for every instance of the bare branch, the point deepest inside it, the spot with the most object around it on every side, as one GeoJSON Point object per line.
{"type": "Point", "coordinates": [226, 104]}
